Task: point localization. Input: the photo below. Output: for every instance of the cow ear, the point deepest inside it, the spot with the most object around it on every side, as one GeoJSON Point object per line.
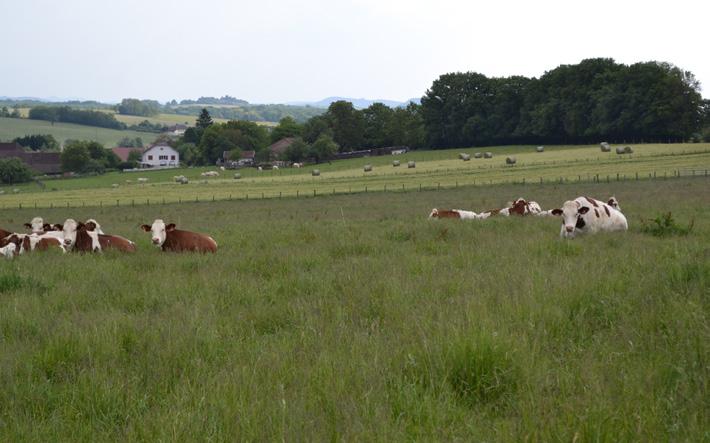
{"type": "Point", "coordinates": [90, 226]}
{"type": "Point", "coordinates": [146, 228]}
{"type": "Point", "coordinates": [583, 210]}
{"type": "Point", "coordinates": [58, 227]}
{"type": "Point", "coordinates": [557, 211]}
{"type": "Point", "coordinates": [80, 225]}
{"type": "Point", "coordinates": [170, 227]}
{"type": "Point", "coordinates": [47, 227]}
{"type": "Point", "coordinates": [28, 226]}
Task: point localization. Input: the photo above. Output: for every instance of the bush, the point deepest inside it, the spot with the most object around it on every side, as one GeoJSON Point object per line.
{"type": "Point", "coordinates": [13, 170]}
{"type": "Point", "coordinates": [664, 225]}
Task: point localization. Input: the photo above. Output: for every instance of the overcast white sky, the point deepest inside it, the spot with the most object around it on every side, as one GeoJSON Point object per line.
{"type": "Point", "coordinates": [271, 51]}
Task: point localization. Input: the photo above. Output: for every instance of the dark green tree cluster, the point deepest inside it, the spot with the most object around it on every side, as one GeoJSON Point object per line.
{"type": "Point", "coordinates": [206, 142]}
{"type": "Point", "coordinates": [255, 113]}
{"type": "Point", "coordinates": [147, 126]}
{"type": "Point", "coordinates": [377, 126]}
{"type": "Point", "coordinates": [66, 114]}
{"type": "Point", "coordinates": [133, 106]}
{"type": "Point", "coordinates": [594, 100]}
{"type": "Point", "coordinates": [87, 156]}
{"type": "Point", "coordinates": [322, 149]}
{"type": "Point", "coordinates": [129, 142]}
{"type": "Point", "coordinates": [14, 170]}
{"type": "Point", "coordinates": [38, 142]}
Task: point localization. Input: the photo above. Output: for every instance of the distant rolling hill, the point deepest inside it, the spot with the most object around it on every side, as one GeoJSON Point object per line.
{"type": "Point", "coordinates": [11, 128]}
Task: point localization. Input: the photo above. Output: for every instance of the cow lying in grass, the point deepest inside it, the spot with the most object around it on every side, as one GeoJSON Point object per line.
{"type": "Point", "coordinates": [167, 238]}
{"type": "Point", "coordinates": [452, 213]}
{"type": "Point", "coordinates": [30, 242]}
{"type": "Point", "coordinates": [586, 215]}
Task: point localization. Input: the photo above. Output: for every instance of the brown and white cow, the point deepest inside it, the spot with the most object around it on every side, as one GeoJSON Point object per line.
{"type": "Point", "coordinates": [587, 215]}
{"type": "Point", "coordinates": [518, 207]}
{"type": "Point", "coordinates": [167, 238]}
{"type": "Point", "coordinates": [78, 238]}
{"type": "Point", "coordinates": [452, 213]}
{"type": "Point", "coordinates": [8, 251]}
{"type": "Point", "coordinates": [110, 241]}
{"type": "Point", "coordinates": [31, 242]}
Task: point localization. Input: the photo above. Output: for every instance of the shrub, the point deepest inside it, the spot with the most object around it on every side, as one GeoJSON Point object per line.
{"type": "Point", "coordinates": [13, 170]}
{"type": "Point", "coordinates": [664, 225]}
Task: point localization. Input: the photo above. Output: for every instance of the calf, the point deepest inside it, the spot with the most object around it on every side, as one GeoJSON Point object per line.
{"type": "Point", "coordinates": [167, 238]}
{"type": "Point", "coordinates": [453, 213]}
{"type": "Point", "coordinates": [587, 215]}
{"type": "Point", "coordinates": [78, 238]}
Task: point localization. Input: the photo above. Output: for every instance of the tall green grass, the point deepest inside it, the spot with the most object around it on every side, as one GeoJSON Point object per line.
{"type": "Point", "coordinates": [356, 318]}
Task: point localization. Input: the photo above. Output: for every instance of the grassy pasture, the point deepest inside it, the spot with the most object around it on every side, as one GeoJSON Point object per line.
{"type": "Point", "coordinates": [18, 127]}
{"type": "Point", "coordinates": [354, 317]}
{"type": "Point", "coordinates": [434, 169]}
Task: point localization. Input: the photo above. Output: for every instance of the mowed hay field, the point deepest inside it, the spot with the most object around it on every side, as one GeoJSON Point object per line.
{"type": "Point", "coordinates": [434, 169]}
{"type": "Point", "coordinates": [355, 318]}
{"type": "Point", "coordinates": [10, 128]}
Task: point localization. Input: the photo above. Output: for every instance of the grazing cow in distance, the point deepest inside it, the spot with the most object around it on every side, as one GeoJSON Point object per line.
{"type": "Point", "coordinates": [78, 238]}
{"type": "Point", "coordinates": [586, 215]}
{"type": "Point", "coordinates": [167, 238]}
{"type": "Point", "coordinates": [452, 213]}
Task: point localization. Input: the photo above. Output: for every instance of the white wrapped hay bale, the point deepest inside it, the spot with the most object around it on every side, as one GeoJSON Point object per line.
{"type": "Point", "coordinates": [237, 176]}
{"type": "Point", "coordinates": [620, 151]}
{"type": "Point", "coordinates": [510, 160]}
{"type": "Point", "coordinates": [315, 172]}
{"type": "Point", "coordinates": [540, 149]}
{"type": "Point", "coordinates": [411, 164]}
{"type": "Point", "coordinates": [478, 155]}
{"type": "Point", "coordinates": [487, 155]}
{"type": "Point", "coordinates": [395, 163]}
{"type": "Point", "coordinates": [367, 168]}
{"type": "Point", "coordinates": [465, 157]}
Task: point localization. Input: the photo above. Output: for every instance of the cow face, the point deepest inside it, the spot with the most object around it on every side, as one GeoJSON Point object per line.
{"type": "Point", "coordinates": [159, 231]}
{"type": "Point", "coordinates": [36, 226]}
{"type": "Point", "coordinates": [572, 214]}
{"type": "Point", "coordinates": [69, 230]}
{"type": "Point", "coordinates": [96, 226]}
{"type": "Point", "coordinates": [614, 203]}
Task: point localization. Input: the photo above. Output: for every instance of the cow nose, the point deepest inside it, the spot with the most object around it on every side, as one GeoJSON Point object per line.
{"type": "Point", "coordinates": [67, 241]}
{"type": "Point", "coordinates": [156, 240]}
{"type": "Point", "coordinates": [569, 228]}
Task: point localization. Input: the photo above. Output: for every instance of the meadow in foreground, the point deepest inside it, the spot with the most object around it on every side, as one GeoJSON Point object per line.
{"type": "Point", "coordinates": [356, 318]}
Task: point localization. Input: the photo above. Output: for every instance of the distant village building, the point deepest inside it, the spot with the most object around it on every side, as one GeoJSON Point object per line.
{"type": "Point", "coordinates": [123, 152]}
{"type": "Point", "coordinates": [42, 162]}
{"type": "Point", "coordinates": [175, 130]}
{"type": "Point", "coordinates": [160, 156]}
{"type": "Point", "coordinates": [277, 150]}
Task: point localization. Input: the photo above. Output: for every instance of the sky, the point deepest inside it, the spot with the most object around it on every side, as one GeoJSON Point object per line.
{"type": "Point", "coordinates": [276, 51]}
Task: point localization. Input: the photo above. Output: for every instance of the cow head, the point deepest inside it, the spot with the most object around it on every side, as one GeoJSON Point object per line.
{"type": "Point", "coordinates": [572, 213]}
{"type": "Point", "coordinates": [519, 206]}
{"type": "Point", "coordinates": [159, 231]}
{"type": "Point", "coordinates": [96, 226]}
{"type": "Point", "coordinates": [69, 230]}
{"type": "Point", "coordinates": [36, 225]}
{"type": "Point", "coordinates": [434, 213]}
{"type": "Point", "coordinates": [614, 203]}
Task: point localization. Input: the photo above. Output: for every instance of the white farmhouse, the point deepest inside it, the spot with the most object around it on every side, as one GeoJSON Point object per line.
{"type": "Point", "coordinates": [160, 156]}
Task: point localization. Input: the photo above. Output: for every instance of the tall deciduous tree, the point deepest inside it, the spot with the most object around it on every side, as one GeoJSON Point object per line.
{"type": "Point", "coordinates": [287, 127]}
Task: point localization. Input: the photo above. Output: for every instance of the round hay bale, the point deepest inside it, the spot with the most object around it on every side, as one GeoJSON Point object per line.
{"type": "Point", "coordinates": [461, 154]}
{"type": "Point", "coordinates": [605, 147]}
{"type": "Point", "coordinates": [540, 149]}
{"type": "Point", "coordinates": [237, 176]}
{"type": "Point", "coordinates": [620, 150]}
{"type": "Point", "coordinates": [465, 157]}
{"type": "Point", "coordinates": [478, 155]}
{"type": "Point", "coordinates": [114, 185]}
{"type": "Point", "coordinates": [628, 150]}
{"type": "Point", "coordinates": [411, 164]}
{"type": "Point", "coordinates": [184, 181]}
{"type": "Point", "coordinates": [315, 172]}
{"type": "Point", "coordinates": [367, 168]}
{"type": "Point", "coordinates": [510, 160]}
{"type": "Point", "coordinates": [487, 155]}
{"type": "Point", "coordinates": [395, 163]}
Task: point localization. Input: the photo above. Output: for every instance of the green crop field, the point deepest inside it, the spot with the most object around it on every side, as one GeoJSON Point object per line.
{"type": "Point", "coordinates": [11, 128]}
{"type": "Point", "coordinates": [355, 318]}
{"type": "Point", "coordinates": [434, 169]}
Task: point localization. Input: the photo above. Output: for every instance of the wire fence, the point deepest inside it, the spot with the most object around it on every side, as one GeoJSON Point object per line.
{"type": "Point", "coordinates": [350, 190]}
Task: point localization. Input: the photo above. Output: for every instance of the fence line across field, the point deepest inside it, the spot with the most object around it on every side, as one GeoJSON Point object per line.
{"type": "Point", "coordinates": [310, 193]}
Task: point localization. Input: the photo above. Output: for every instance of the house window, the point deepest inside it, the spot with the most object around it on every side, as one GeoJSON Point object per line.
{"type": "Point", "coordinates": [172, 157]}
{"type": "Point", "coordinates": [150, 157]}
{"type": "Point", "coordinates": [162, 157]}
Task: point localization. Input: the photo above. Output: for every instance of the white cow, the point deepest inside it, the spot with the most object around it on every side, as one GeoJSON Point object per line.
{"type": "Point", "coordinates": [453, 213]}
{"type": "Point", "coordinates": [586, 215]}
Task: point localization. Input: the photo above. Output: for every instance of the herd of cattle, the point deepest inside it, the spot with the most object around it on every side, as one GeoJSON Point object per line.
{"type": "Point", "coordinates": [89, 237]}
{"type": "Point", "coordinates": [579, 216]}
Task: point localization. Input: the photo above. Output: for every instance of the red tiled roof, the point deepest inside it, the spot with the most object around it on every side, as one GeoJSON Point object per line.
{"type": "Point", "coordinates": [280, 146]}
{"type": "Point", "coordinates": [123, 151]}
